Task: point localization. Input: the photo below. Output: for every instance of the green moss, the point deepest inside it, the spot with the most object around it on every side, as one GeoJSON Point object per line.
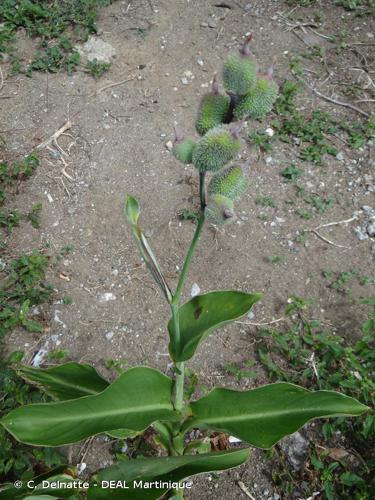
{"type": "Point", "coordinates": [212, 112]}
{"type": "Point", "coordinates": [215, 149]}
{"type": "Point", "coordinates": [231, 182]}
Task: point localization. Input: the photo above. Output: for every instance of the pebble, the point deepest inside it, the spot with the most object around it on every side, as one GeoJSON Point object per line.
{"type": "Point", "coordinates": [204, 25]}
{"type": "Point", "coordinates": [371, 229]}
{"type": "Point", "coordinates": [212, 24]}
{"type": "Point", "coordinates": [109, 335]}
{"type": "Point", "coordinates": [340, 156]}
{"type": "Point", "coordinates": [106, 297]}
{"type": "Point", "coordinates": [295, 448]}
{"type": "Point", "coordinates": [250, 315]}
{"type": "Point", "coordinates": [169, 145]}
{"type": "Point", "coordinates": [270, 132]}
{"type": "Point", "coordinates": [200, 62]}
{"type": "Point", "coordinates": [195, 290]}
{"type": "Point", "coordinates": [268, 160]}
{"type": "Point", "coordinates": [184, 81]}
{"type": "Point", "coordinates": [361, 234]}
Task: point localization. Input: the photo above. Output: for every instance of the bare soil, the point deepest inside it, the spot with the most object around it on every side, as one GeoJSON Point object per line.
{"type": "Point", "coordinates": [117, 146]}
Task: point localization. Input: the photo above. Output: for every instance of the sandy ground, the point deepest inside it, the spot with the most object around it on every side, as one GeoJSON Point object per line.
{"type": "Point", "coordinates": [117, 145]}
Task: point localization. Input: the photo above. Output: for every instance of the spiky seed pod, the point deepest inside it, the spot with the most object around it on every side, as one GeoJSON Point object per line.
{"type": "Point", "coordinates": [213, 109]}
{"type": "Point", "coordinates": [240, 71]}
{"type": "Point", "coordinates": [216, 148]}
{"type": "Point", "coordinates": [232, 182]}
{"type": "Point", "coordinates": [219, 210]}
{"type": "Point", "coordinates": [183, 150]}
{"type": "Point", "coordinates": [257, 103]}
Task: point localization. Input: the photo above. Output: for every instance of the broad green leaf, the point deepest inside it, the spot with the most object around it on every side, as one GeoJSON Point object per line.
{"type": "Point", "coordinates": [68, 381]}
{"type": "Point", "coordinates": [163, 469]}
{"type": "Point", "coordinates": [135, 400]}
{"type": "Point", "coordinates": [202, 315]}
{"type": "Point", "coordinates": [71, 381]}
{"type": "Point", "coordinates": [132, 210]}
{"type": "Point", "coordinates": [263, 416]}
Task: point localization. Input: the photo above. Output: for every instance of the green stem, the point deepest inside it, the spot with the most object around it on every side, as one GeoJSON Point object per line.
{"type": "Point", "coordinates": [188, 259]}
{"type": "Point", "coordinates": [180, 367]}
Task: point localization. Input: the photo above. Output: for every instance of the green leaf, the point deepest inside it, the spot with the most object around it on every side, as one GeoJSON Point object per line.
{"type": "Point", "coordinates": [202, 315]}
{"type": "Point", "coordinates": [71, 381]}
{"type": "Point", "coordinates": [263, 416]}
{"type": "Point", "coordinates": [67, 381]}
{"type": "Point", "coordinates": [132, 210]}
{"type": "Point", "coordinates": [160, 469]}
{"type": "Point", "coordinates": [139, 397]}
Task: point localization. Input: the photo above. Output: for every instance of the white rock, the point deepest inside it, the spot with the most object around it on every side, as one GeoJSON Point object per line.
{"type": "Point", "coordinates": [169, 145]}
{"type": "Point", "coordinates": [270, 132]}
{"type": "Point", "coordinates": [109, 335]}
{"type": "Point", "coordinates": [95, 48]}
{"type": "Point", "coordinates": [106, 297]}
{"type": "Point", "coordinates": [195, 290]}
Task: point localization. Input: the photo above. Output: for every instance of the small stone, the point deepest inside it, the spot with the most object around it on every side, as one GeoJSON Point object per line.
{"type": "Point", "coordinates": [270, 132]}
{"type": "Point", "coordinates": [340, 156]}
{"type": "Point", "coordinates": [109, 335]}
{"type": "Point", "coordinates": [195, 290]}
{"type": "Point", "coordinates": [371, 229]}
{"type": "Point", "coordinates": [106, 297]}
{"type": "Point", "coordinates": [268, 160]}
{"type": "Point", "coordinates": [200, 62]}
{"type": "Point", "coordinates": [361, 234]}
{"type": "Point", "coordinates": [295, 448]}
{"type": "Point", "coordinates": [204, 25]}
{"type": "Point", "coordinates": [250, 315]}
{"type": "Point", "coordinates": [169, 145]}
{"type": "Point", "coordinates": [184, 81]}
{"type": "Point", "coordinates": [212, 24]}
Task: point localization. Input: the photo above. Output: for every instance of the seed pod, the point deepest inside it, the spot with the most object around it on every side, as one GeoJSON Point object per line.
{"type": "Point", "coordinates": [259, 101]}
{"type": "Point", "coordinates": [219, 210]}
{"type": "Point", "coordinates": [231, 183]}
{"type": "Point", "coordinates": [183, 151]}
{"type": "Point", "coordinates": [213, 109]}
{"type": "Point", "coordinates": [215, 149]}
{"type": "Point", "coordinates": [240, 70]}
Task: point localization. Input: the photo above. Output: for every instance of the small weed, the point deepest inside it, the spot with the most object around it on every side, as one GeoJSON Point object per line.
{"type": "Point", "coordinates": [266, 201]}
{"type": "Point", "coordinates": [291, 173]}
{"type": "Point", "coordinates": [304, 214]}
{"type": "Point", "coordinates": [23, 286]}
{"type": "Point", "coordinates": [187, 214]}
{"type": "Point", "coordinates": [97, 68]}
{"type": "Point", "coordinates": [117, 366]}
{"type": "Point", "coordinates": [321, 204]}
{"type": "Point", "coordinates": [58, 354]}
{"type": "Point", "coordinates": [261, 140]}
{"type": "Point", "coordinates": [275, 259]}
{"type": "Point", "coordinates": [67, 301]}
{"type": "Point", "coordinates": [34, 215]}
{"type": "Point", "coordinates": [241, 372]}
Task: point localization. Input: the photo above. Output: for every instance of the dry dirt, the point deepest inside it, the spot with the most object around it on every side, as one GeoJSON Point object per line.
{"type": "Point", "coordinates": [117, 146]}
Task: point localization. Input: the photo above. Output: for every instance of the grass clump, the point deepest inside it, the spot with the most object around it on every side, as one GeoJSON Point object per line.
{"type": "Point", "coordinates": [57, 25]}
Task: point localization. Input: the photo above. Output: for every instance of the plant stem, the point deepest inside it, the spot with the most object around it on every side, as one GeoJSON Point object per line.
{"type": "Point", "coordinates": [188, 259]}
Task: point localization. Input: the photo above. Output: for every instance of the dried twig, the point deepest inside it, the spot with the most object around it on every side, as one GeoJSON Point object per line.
{"type": "Point", "coordinates": [265, 323]}
{"type": "Point", "coordinates": [329, 224]}
{"type": "Point", "coordinates": [67, 125]}
{"type": "Point", "coordinates": [334, 101]}
{"type": "Point", "coordinates": [245, 490]}
{"type": "Point", "coordinates": [109, 86]}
